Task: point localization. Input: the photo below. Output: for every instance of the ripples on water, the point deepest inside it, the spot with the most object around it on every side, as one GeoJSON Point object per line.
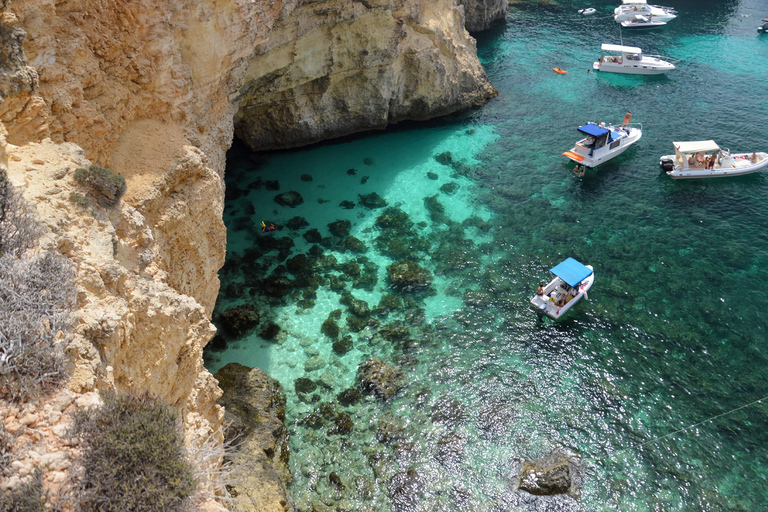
{"type": "Point", "coordinates": [673, 333]}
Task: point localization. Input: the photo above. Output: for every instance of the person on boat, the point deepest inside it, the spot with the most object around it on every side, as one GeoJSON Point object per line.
{"type": "Point", "coordinates": [561, 301]}
{"type": "Point", "coordinates": [753, 157]}
{"type": "Point", "coordinates": [710, 161]}
{"type": "Point", "coordinates": [700, 160]}
{"type": "Point", "coordinates": [540, 289]}
{"type": "Point", "coordinates": [627, 119]}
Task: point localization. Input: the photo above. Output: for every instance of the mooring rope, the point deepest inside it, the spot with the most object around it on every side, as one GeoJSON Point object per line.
{"type": "Point", "coordinates": [704, 421]}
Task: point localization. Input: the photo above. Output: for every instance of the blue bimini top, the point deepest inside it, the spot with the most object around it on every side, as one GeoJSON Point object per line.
{"type": "Point", "coordinates": [571, 271]}
{"type": "Point", "coordinates": [593, 129]}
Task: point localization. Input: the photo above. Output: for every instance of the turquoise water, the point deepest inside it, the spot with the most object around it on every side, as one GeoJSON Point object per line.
{"type": "Point", "coordinates": [673, 333]}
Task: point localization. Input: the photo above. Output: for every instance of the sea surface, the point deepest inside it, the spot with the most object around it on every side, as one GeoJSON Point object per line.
{"type": "Point", "coordinates": [651, 388]}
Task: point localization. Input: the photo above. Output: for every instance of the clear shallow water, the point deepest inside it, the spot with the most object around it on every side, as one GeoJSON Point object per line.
{"type": "Point", "coordinates": [673, 333]}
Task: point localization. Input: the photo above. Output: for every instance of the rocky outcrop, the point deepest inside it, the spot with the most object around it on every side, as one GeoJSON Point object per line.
{"type": "Point", "coordinates": [255, 406]}
{"type": "Point", "coordinates": [334, 68]}
{"type": "Point", "coordinates": [480, 14]}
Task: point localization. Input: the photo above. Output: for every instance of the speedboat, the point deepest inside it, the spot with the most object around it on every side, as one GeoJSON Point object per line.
{"type": "Point", "coordinates": [705, 159]}
{"type": "Point", "coordinates": [639, 21]}
{"type": "Point", "coordinates": [763, 28]}
{"type": "Point", "coordinates": [631, 8]}
{"type": "Point", "coordinates": [571, 283]}
{"type": "Point", "coordinates": [601, 143]}
{"type": "Point", "coordinates": [631, 62]}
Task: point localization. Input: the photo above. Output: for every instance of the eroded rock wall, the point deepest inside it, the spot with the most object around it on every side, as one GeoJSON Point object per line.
{"type": "Point", "coordinates": [480, 14]}
{"type": "Point", "coordinates": [334, 68]}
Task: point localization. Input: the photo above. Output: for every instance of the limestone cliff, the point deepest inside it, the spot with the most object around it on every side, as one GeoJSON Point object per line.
{"type": "Point", "coordinates": [481, 13]}
{"type": "Point", "coordinates": [334, 68]}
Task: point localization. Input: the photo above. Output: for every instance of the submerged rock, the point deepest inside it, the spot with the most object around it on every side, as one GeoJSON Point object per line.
{"type": "Point", "coordinates": [296, 223]}
{"type": "Point", "coordinates": [343, 425]}
{"type": "Point", "coordinates": [379, 378]}
{"type": "Point", "coordinates": [354, 244]}
{"type": "Point", "coordinates": [291, 199]}
{"type": "Point", "coordinates": [407, 275]}
{"type": "Point", "coordinates": [330, 328]}
{"type": "Point", "coordinates": [391, 428]}
{"type": "Point", "coordinates": [270, 330]}
{"type": "Point", "coordinates": [372, 201]}
{"type": "Point", "coordinates": [304, 385]}
{"type": "Point", "coordinates": [406, 489]}
{"type": "Point", "coordinates": [349, 396]}
{"type": "Point", "coordinates": [559, 472]}
{"type": "Point", "coordinates": [347, 205]}
{"type": "Point", "coordinates": [450, 449]}
{"type": "Point", "coordinates": [340, 228]}
{"type": "Point", "coordinates": [449, 188]}
{"type": "Point", "coordinates": [394, 218]}
{"type": "Point", "coordinates": [239, 320]}
{"type": "Point", "coordinates": [312, 236]}
{"type": "Point", "coordinates": [343, 345]}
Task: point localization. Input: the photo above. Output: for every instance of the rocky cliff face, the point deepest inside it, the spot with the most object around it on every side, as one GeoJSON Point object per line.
{"type": "Point", "coordinates": [481, 13]}
{"type": "Point", "coordinates": [333, 68]}
{"type": "Point", "coordinates": [148, 89]}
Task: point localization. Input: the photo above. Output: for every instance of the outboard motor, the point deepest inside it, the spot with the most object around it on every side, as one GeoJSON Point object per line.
{"type": "Point", "coordinates": [667, 164]}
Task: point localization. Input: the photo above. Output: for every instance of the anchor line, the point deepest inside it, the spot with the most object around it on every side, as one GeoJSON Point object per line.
{"type": "Point", "coordinates": [704, 421]}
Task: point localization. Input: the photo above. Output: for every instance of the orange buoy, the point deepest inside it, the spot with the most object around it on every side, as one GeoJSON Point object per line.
{"type": "Point", "coordinates": [558, 70]}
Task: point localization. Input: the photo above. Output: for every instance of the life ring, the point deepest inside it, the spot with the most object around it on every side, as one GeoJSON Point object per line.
{"type": "Point", "coordinates": [558, 70]}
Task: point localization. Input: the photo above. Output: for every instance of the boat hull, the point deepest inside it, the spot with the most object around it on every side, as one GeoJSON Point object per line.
{"type": "Point", "coordinates": [741, 168]}
{"type": "Point", "coordinates": [642, 24]}
{"type": "Point", "coordinates": [545, 304]}
{"type": "Point", "coordinates": [634, 69]}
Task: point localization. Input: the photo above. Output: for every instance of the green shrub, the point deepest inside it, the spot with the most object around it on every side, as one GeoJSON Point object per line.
{"type": "Point", "coordinates": [108, 184]}
{"type": "Point", "coordinates": [79, 199]}
{"type": "Point", "coordinates": [30, 496]}
{"type": "Point", "coordinates": [132, 456]}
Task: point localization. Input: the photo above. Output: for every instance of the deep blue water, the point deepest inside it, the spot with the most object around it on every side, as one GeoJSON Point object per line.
{"type": "Point", "coordinates": [673, 333]}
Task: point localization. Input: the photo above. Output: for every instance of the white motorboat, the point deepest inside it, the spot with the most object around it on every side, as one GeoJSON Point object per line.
{"type": "Point", "coordinates": [571, 283]}
{"type": "Point", "coordinates": [632, 8]}
{"type": "Point", "coordinates": [639, 21]}
{"type": "Point", "coordinates": [705, 159]}
{"type": "Point", "coordinates": [601, 143]}
{"type": "Point", "coordinates": [763, 28]}
{"type": "Point", "coordinates": [631, 61]}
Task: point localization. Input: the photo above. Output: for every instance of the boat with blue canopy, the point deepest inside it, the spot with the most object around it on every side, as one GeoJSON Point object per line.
{"type": "Point", "coordinates": [602, 142]}
{"type": "Point", "coordinates": [572, 281]}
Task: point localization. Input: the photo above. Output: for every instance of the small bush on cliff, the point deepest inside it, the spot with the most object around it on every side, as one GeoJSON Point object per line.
{"type": "Point", "coordinates": [133, 456]}
{"type": "Point", "coordinates": [18, 229]}
{"type": "Point", "coordinates": [37, 295]}
{"type": "Point", "coordinates": [108, 184]}
{"type": "Point", "coordinates": [30, 496]}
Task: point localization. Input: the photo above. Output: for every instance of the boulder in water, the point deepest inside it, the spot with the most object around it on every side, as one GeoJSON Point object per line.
{"type": "Point", "coordinates": [239, 320]}
{"type": "Point", "coordinates": [379, 378]}
{"type": "Point", "coordinates": [372, 201]}
{"type": "Point", "coordinates": [406, 489]}
{"type": "Point", "coordinates": [407, 275]}
{"type": "Point", "coordinates": [558, 472]}
{"type": "Point", "coordinates": [291, 199]}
